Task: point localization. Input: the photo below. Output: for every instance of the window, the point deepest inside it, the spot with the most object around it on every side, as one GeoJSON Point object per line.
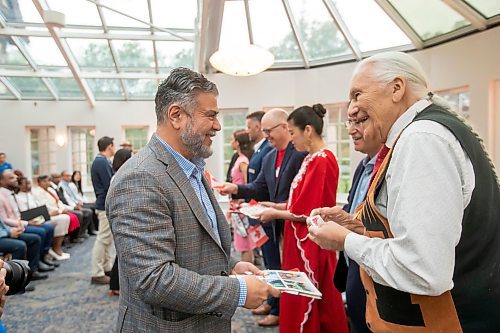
{"type": "Point", "coordinates": [458, 99]}
{"type": "Point", "coordinates": [337, 139]}
{"type": "Point", "coordinates": [231, 120]}
{"type": "Point", "coordinates": [82, 151]}
{"type": "Point", "coordinates": [137, 136]}
{"type": "Point", "coordinates": [43, 151]}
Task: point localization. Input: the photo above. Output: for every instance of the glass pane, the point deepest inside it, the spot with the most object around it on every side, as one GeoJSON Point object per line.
{"type": "Point", "coordinates": [4, 92]}
{"type": "Point", "coordinates": [318, 32]}
{"type": "Point", "coordinates": [175, 54]}
{"type": "Point", "coordinates": [231, 121]}
{"type": "Point", "coordinates": [44, 51]}
{"type": "Point", "coordinates": [67, 87]}
{"type": "Point", "coordinates": [174, 14]}
{"type": "Point", "coordinates": [77, 12]}
{"type": "Point", "coordinates": [10, 54]}
{"type": "Point", "coordinates": [366, 35]}
{"type": "Point", "coordinates": [20, 11]}
{"type": "Point", "coordinates": [93, 53]}
{"type": "Point", "coordinates": [42, 150]}
{"type": "Point", "coordinates": [137, 137]}
{"type": "Point", "coordinates": [134, 8]}
{"type": "Point", "coordinates": [30, 86]}
{"type": "Point", "coordinates": [429, 18]}
{"type": "Point", "coordinates": [106, 88]}
{"type": "Point", "coordinates": [279, 40]}
{"type": "Point", "coordinates": [234, 30]}
{"type": "Point", "coordinates": [134, 54]}
{"type": "Point", "coordinates": [82, 151]}
{"type": "Point", "coordinates": [488, 8]}
{"type": "Point", "coordinates": [142, 88]}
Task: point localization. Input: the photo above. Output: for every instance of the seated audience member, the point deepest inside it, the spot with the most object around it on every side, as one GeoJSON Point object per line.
{"type": "Point", "coordinates": [21, 245]}
{"type": "Point", "coordinates": [84, 217]}
{"type": "Point", "coordinates": [26, 201]}
{"type": "Point", "coordinates": [4, 165]}
{"type": "Point", "coordinates": [76, 187]}
{"type": "Point", "coordinates": [58, 216]}
{"type": "Point", "coordinates": [121, 156]}
{"type": "Point", "coordinates": [8, 187]}
{"type": "Point", "coordinates": [74, 200]}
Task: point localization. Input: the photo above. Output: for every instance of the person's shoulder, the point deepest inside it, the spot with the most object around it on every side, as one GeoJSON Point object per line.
{"type": "Point", "coordinates": [429, 130]}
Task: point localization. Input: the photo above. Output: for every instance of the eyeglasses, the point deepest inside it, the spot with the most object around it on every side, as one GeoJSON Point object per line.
{"type": "Point", "coordinates": [348, 124]}
{"type": "Point", "coordinates": [268, 131]}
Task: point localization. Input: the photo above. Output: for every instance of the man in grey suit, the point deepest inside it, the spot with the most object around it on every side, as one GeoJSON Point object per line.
{"type": "Point", "coordinates": [172, 239]}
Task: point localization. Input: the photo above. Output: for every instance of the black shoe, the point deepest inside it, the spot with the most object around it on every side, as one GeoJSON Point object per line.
{"type": "Point", "coordinates": [107, 273]}
{"type": "Point", "coordinates": [92, 233]}
{"type": "Point", "coordinates": [50, 262]}
{"type": "Point", "coordinates": [38, 276]}
{"type": "Point", "coordinates": [77, 240]}
{"type": "Point", "coordinates": [43, 267]}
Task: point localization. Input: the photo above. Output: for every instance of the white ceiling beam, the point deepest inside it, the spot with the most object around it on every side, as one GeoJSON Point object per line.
{"type": "Point", "coordinates": [90, 35]}
{"type": "Point", "coordinates": [139, 20]}
{"type": "Point", "coordinates": [13, 90]}
{"type": "Point", "coordinates": [72, 65]}
{"type": "Point", "coordinates": [50, 87]}
{"type": "Point", "coordinates": [249, 22]}
{"type": "Point", "coordinates": [401, 23]}
{"type": "Point", "coordinates": [335, 14]}
{"type": "Point", "coordinates": [462, 8]}
{"type": "Point", "coordinates": [112, 50]}
{"type": "Point", "coordinates": [294, 27]}
{"type": "Point", "coordinates": [211, 25]}
{"type": "Point", "coordinates": [84, 75]}
{"type": "Point", "coordinates": [155, 55]}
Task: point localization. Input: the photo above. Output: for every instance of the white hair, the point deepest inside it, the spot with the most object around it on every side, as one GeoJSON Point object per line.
{"type": "Point", "coordinates": [388, 65]}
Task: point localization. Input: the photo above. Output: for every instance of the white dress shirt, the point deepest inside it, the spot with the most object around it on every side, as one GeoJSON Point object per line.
{"type": "Point", "coordinates": [429, 183]}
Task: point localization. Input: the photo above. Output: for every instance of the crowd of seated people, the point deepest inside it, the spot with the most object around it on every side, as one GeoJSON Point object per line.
{"type": "Point", "coordinates": [37, 224]}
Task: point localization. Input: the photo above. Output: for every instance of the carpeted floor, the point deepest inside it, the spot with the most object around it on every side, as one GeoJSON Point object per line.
{"type": "Point", "coordinates": [67, 302]}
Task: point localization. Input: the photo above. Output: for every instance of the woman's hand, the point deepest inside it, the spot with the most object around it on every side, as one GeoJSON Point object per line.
{"type": "Point", "coordinates": [268, 214]}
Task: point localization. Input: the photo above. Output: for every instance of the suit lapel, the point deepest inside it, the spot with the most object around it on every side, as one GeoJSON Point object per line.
{"type": "Point", "coordinates": [184, 185]}
{"type": "Point", "coordinates": [274, 155]}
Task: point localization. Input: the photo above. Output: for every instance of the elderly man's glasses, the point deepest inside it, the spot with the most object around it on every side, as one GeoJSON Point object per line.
{"type": "Point", "coordinates": [268, 131]}
{"type": "Point", "coordinates": [356, 122]}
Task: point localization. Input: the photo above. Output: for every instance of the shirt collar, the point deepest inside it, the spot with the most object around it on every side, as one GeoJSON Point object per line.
{"type": "Point", "coordinates": [258, 144]}
{"type": "Point", "coordinates": [404, 120]}
{"type": "Point", "coordinates": [188, 167]}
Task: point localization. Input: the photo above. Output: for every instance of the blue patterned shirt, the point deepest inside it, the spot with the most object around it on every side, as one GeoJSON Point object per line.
{"type": "Point", "coordinates": [364, 181]}
{"type": "Point", "coordinates": [194, 171]}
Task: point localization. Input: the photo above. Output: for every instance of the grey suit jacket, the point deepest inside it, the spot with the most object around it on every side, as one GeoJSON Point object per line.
{"type": "Point", "coordinates": [171, 265]}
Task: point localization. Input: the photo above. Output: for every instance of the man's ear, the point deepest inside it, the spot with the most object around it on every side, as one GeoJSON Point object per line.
{"type": "Point", "coordinates": [175, 116]}
{"type": "Point", "coordinates": [398, 89]}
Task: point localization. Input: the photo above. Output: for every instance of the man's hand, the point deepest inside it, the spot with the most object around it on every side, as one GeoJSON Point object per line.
{"type": "Point", "coordinates": [257, 292]}
{"type": "Point", "coordinates": [329, 236]}
{"type": "Point", "coordinates": [242, 267]}
{"type": "Point", "coordinates": [32, 222]}
{"type": "Point", "coordinates": [15, 232]}
{"type": "Point", "coordinates": [340, 216]}
{"type": "Point", "coordinates": [269, 214]}
{"type": "Point", "coordinates": [228, 188]}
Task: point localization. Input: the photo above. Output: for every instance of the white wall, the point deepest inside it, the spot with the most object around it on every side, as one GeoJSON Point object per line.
{"type": "Point", "coordinates": [472, 61]}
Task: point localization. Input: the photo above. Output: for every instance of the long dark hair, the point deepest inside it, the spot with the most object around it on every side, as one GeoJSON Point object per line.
{"type": "Point", "coordinates": [78, 183]}
{"type": "Point", "coordinates": [121, 156]}
{"type": "Point", "coordinates": [306, 115]}
{"type": "Point", "coordinates": [243, 139]}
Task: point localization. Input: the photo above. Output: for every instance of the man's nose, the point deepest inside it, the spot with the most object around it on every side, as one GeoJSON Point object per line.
{"type": "Point", "coordinates": [216, 125]}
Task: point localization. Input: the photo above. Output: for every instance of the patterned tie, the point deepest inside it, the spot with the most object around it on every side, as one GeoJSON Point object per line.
{"type": "Point", "coordinates": [380, 158]}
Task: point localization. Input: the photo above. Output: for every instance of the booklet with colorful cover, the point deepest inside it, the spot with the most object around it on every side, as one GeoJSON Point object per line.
{"type": "Point", "coordinates": [292, 282]}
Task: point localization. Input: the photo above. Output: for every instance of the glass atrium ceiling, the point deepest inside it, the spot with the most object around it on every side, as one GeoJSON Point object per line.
{"type": "Point", "coordinates": [120, 49]}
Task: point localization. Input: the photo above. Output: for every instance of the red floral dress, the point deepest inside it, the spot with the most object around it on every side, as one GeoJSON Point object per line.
{"type": "Point", "coordinates": [314, 186]}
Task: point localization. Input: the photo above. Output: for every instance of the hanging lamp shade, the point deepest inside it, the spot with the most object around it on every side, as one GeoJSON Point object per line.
{"type": "Point", "coordinates": [242, 60]}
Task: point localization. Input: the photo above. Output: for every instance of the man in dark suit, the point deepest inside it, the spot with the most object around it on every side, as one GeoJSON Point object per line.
{"type": "Point", "coordinates": [279, 167]}
{"type": "Point", "coordinates": [261, 144]}
{"type": "Point", "coordinates": [367, 143]}
{"type": "Point", "coordinates": [172, 239]}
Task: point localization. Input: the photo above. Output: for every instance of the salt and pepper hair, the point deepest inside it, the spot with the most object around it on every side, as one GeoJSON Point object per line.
{"type": "Point", "coordinates": [181, 87]}
{"type": "Point", "coordinates": [388, 65]}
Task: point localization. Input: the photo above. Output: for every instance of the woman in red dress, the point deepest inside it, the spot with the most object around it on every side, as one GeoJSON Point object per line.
{"type": "Point", "coordinates": [315, 185]}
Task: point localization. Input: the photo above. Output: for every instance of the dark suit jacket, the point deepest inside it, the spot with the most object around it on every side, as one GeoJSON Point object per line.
{"type": "Point", "coordinates": [169, 257]}
{"type": "Point", "coordinates": [266, 185]}
{"type": "Point", "coordinates": [256, 161]}
{"type": "Point", "coordinates": [349, 276]}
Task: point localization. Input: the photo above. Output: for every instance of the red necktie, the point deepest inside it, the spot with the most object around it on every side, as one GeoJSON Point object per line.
{"type": "Point", "coordinates": [380, 158]}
